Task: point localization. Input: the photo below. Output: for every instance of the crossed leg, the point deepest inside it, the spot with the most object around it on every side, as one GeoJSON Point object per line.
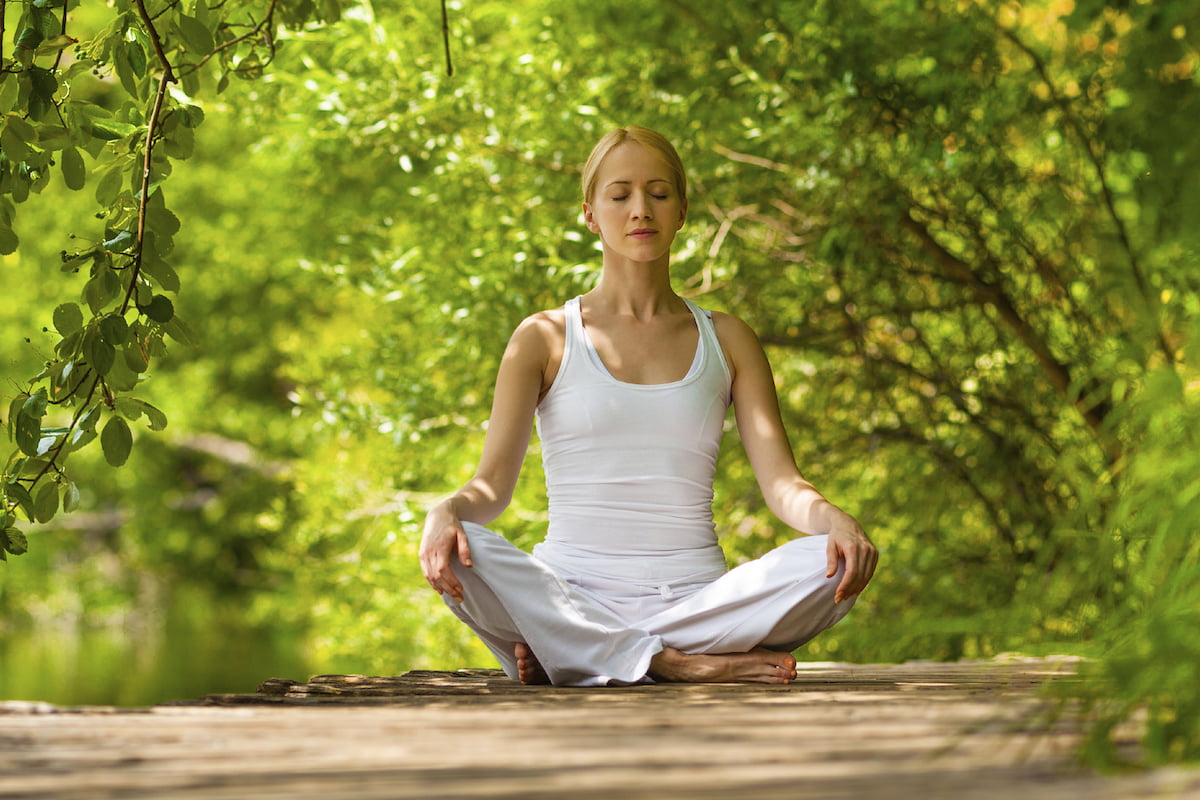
{"type": "Point", "coordinates": [780, 601]}
{"type": "Point", "coordinates": [760, 665]}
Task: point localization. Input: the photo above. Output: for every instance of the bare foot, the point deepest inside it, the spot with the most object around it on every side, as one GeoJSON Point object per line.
{"type": "Point", "coordinates": [529, 669]}
{"type": "Point", "coordinates": [758, 666]}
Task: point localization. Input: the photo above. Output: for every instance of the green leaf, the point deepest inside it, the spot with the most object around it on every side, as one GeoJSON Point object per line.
{"type": "Point", "coordinates": [87, 422]}
{"type": "Point", "coordinates": [70, 497]}
{"type": "Point", "coordinates": [69, 346]}
{"type": "Point", "coordinates": [116, 441]}
{"type": "Point", "coordinates": [111, 130]}
{"type": "Point", "coordinates": [43, 85]}
{"type": "Point", "coordinates": [79, 439]}
{"type": "Point", "coordinates": [13, 145]}
{"type": "Point", "coordinates": [193, 116]}
{"type": "Point", "coordinates": [181, 142]}
{"type": "Point", "coordinates": [9, 87]}
{"type": "Point", "coordinates": [120, 377]}
{"type": "Point", "coordinates": [60, 42]}
{"type": "Point", "coordinates": [161, 271]}
{"type": "Point", "coordinates": [114, 329]}
{"type": "Point", "coordinates": [124, 70]}
{"type": "Point", "coordinates": [53, 137]}
{"type": "Point", "coordinates": [14, 408]}
{"type": "Point", "coordinates": [45, 502]}
{"type": "Point", "coordinates": [29, 37]}
{"type": "Point", "coordinates": [135, 359]}
{"type": "Point", "coordinates": [74, 170]}
{"type": "Point", "coordinates": [179, 330]}
{"type": "Point", "coordinates": [128, 407]}
{"type": "Point", "coordinates": [20, 128]}
{"type": "Point", "coordinates": [101, 290]}
{"type": "Point", "coordinates": [36, 403]}
{"type": "Point", "coordinates": [162, 221]}
{"type": "Point", "coordinates": [67, 319]}
{"type": "Point", "coordinates": [160, 309]}
{"type": "Point", "coordinates": [29, 432]}
{"type": "Point", "coordinates": [15, 542]}
{"type": "Point", "coordinates": [8, 240]}
{"type": "Point", "coordinates": [99, 353]}
{"type": "Point", "coordinates": [196, 35]}
{"type": "Point", "coordinates": [155, 418]}
{"type": "Point", "coordinates": [66, 380]}
{"type": "Point", "coordinates": [137, 58]}
{"type": "Point", "coordinates": [121, 242]}
{"type": "Point", "coordinates": [132, 408]}
{"type": "Point", "coordinates": [109, 186]}
{"type": "Point", "coordinates": [46, 443]}
{"type": "Point", "coordinates": [29, 422]}
{"type": "Point", "coordinates": [19, 494]}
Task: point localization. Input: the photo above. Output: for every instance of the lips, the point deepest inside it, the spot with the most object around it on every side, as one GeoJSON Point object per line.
{"type": "Point", "coordinates": [642, 233]}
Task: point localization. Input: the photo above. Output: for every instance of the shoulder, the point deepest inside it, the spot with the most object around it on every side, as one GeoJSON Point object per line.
{"type": "Point", "coordinates": [738, 340]}
{"type": "Point", "coordinates": [735, 329]}
{"type": "Point", "coordinates": [543, 329]}
{"type": "Point", "coordinates": [536, 347]}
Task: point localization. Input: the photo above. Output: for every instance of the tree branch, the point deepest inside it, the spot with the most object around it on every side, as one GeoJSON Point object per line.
{"type": "Point", "coordinates": [156, 40]}
{"type": "Point", "coordinates": [1056, 372]}
{"type": "Point", "coordinates": [262, 27]}
{"type": "Point", "coordinates": [446, 40]}
{"type": "Point", "coordinates": [167, 77]}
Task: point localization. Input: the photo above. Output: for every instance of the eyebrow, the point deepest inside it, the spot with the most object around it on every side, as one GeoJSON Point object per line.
{"type": "Point", "coordinates": [652, 180]}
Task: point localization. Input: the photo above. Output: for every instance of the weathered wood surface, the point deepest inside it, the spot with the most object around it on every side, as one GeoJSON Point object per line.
{"type": "Point", "coordinates": [920, 730]}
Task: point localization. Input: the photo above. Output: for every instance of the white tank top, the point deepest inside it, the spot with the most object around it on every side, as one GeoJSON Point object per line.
{"type": "Point", "coordinates": [629, 467]}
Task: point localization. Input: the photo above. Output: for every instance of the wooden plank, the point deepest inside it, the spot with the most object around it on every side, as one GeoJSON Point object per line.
{"type": "Point", "coordinates": [970, 731]}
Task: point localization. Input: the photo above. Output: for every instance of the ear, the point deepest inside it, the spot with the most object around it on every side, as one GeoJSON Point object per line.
{"type": "Point", "coordinates": [682, 215]}
{"type": "Point", "coordinates": [589, 219]}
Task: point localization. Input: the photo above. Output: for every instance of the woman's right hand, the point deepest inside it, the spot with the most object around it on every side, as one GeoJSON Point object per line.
{"type": "Point", "coordinates": [443, 539]}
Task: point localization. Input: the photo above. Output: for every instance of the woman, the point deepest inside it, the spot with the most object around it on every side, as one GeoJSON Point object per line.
{"type": "Point", "coordinates": [630, 384]}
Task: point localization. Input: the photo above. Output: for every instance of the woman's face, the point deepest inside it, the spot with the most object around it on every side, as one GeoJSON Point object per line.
{"type": "Point", "coordinates": [636, 209]}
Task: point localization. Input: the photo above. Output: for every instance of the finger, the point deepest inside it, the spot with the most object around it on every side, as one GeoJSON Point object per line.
{"type": "Point", "coordinates": [442, 579]}
{"type": "Point", "coordinates": [464, 548]}
{"type": "Point", "coordinates": [864, 570]}
{"type": "Point", "coordinates": [831, 554]}
{"type": "Point", "coordinates": [849, 578]}
{"type": "Point", "coordinates": [450, 583]}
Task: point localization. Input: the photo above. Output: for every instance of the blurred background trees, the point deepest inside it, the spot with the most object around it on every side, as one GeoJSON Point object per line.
{"type": "Point", "coordinates": [966, 232]}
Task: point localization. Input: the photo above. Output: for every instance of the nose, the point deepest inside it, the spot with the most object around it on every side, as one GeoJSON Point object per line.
{"type": "Point", "coordinates": [641, 206]}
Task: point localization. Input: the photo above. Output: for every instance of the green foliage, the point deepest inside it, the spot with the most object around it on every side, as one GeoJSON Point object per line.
{"type": "Point", "coordinates": [965, 232]}
{"type": "Point", "coordinates": [55, 110]}
{"type": "Point", "coordinates": [1148, 676]}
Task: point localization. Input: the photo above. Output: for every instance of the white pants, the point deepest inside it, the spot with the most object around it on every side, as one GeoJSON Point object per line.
{"type": "Point", "coordinates": [779, 602]}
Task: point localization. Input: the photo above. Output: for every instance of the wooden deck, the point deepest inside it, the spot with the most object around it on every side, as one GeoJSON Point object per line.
{"type": "Point", "coordinates": [974, 731]}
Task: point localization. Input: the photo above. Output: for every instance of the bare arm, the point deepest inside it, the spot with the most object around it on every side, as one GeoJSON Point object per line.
{"type": "Point", "coordinates": [788, 494]}
{"type": "Point", "coordinates": [519, 384]}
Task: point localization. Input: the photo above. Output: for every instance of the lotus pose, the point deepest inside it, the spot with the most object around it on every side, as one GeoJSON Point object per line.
{"type": "Point", "coordinates": [630, 385]}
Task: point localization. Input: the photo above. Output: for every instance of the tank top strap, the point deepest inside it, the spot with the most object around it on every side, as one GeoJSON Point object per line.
{"type": "Point", "coordinates": [708, 333]}
{"type": "Point", "coordinates": [575, 341]}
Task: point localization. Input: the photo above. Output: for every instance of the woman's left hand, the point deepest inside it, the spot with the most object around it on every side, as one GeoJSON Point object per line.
{"type": "Point", "coordinates": [849, 542]}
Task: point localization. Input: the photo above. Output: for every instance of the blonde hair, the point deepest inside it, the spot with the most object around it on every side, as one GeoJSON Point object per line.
{"type": "Point", "coordinates": [643, 136]}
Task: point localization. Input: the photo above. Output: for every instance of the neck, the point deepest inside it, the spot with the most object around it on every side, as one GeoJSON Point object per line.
{"type": "Point", "coordinates": [636, 288]}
